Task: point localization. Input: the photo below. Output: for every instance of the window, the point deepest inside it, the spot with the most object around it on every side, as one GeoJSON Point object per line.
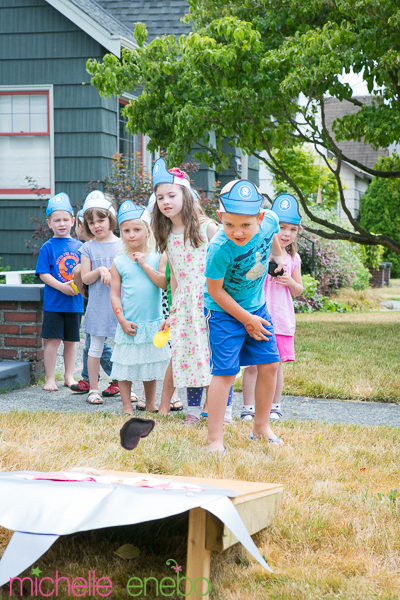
{"type": "Point", "coordinates": [129, 145]}
{"type": "Point", "coordinates": [25, 141]}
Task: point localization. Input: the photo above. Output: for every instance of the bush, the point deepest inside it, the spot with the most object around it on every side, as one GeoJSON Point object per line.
{"type": "Point", "coordinates": [337, 263]}
{"type": "Point", "coordinates": [380, 208]}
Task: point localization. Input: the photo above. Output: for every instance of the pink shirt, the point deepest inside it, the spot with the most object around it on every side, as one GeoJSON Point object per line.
{"type": "Point", "coordinates": [279, 300]}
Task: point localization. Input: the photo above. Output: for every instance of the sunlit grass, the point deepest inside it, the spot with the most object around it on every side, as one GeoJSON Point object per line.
{"type": "Point", "coordinates": [351, 356]}
{"type": "Point", "coordinates": [337, 535]}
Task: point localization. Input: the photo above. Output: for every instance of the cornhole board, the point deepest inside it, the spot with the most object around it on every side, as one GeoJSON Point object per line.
{"type": "Point", "coordinates": [256, 503]}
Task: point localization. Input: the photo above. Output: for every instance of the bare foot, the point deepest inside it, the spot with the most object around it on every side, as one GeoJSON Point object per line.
{"type": "Point", "coordinates": [50, 386]}
{"type": "Point", "coordinates": [163, 411]}
{"type": "Point", "coordinates": [151, 408]}
{"type": "Point", "coordinates": [215, 447]}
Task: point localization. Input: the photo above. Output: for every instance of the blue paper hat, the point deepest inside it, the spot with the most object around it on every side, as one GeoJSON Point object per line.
{"type": "Point", "coordinates": [59, 202]}
{"type": "Point", "coordinates": [162, 175]}
{"type": "Point", "coordinates": [80, 216]}
{"type": "Point", "coordinates": [128, 211]}
{"type": "Point", "coordinates": [152, 201]}
{"type": "Point", "coordinates": [242, 199]}
{"type": "Point", "coordinates": [287, 209]}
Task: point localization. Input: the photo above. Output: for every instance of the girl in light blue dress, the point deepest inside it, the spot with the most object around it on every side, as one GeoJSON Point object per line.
{"type": "Point", "coordinates": [140, 273]}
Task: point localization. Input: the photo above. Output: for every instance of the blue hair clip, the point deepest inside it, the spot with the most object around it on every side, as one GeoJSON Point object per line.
{"type": "Point", "coordinates": [242, 199]}
{"type": "Point", "coordinates": [129, 211]}
{"type": "Point", "coordinates": [287, 209]}
{"type": "Point", "coordinates": [60, 201]}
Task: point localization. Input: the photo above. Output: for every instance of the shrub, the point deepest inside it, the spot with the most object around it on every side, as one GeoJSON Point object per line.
{"type": "Point", "coordinates": [309, 286]}
{"type": "Point", "coordinates": [380, 208]}
{"type": "Point", "coordinates": [337, 263]}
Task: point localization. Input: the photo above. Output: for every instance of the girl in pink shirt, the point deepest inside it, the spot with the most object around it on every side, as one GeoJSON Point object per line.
{"type": "Point", "coordinates": [279, 290]}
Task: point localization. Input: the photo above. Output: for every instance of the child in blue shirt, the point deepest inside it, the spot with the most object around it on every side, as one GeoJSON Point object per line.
{"type": "Point", "coordinates": [62, 306]}
{"type": "Point", "coordinates": [239, 325]}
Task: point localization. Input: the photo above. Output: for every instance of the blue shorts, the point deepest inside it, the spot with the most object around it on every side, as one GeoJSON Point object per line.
{"type": "Point", "coordinates": [231, 346]}
{"type": "Point", "coordinates": [61, 326]}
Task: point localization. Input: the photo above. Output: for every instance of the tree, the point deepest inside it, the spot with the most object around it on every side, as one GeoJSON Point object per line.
{"type": "Point", "coordinates": [240, 75]}
{"type": "Point", "coordinates": [380, 208]}
{"type": "Point", "coordinates": [308, 174]}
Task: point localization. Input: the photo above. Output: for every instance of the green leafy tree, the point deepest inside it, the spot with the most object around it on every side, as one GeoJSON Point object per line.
{"type": "Point", "coordinates": [307, 175]}
{"type": "Point", "coordinates": [380, 209]}
{"type": "Point", "coordinates": [240, 75]}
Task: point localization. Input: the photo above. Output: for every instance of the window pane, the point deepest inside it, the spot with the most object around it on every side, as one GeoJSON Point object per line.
{"type": "Point", "coordinates": [38, 123]}
{"type": "Point", "coordinates": [22, 156]}
{"type": "Point", "coordinates": [20, 104]}
{"type": "Point", "coordinates": [20, 123]}
{"type": "Point", "coordinates": [5, 104]}
{"type": "Point", "coordinates": [5, 123]}
{"type": "Point", "coordinates": [38, 103]}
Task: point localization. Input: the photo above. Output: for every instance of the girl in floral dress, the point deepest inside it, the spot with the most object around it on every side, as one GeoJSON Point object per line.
{"type": "Point", "coordinates": [182, 230]}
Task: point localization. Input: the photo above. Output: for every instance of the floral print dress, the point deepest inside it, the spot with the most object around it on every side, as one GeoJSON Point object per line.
{"type": "Point", "coordinates": [189, 340]}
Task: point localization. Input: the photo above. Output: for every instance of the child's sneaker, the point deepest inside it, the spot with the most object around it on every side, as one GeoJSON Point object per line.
{"type": "Point", "coordinates": [275, 414]}
{"type": "Point", "coordinates": [247, 415]}
{"type": "Point", "coordinates": [111, 390]}
{"type": "Point", "coordinates": [81, 387]}
{"type": "Point", "coordinates": [190, 420]}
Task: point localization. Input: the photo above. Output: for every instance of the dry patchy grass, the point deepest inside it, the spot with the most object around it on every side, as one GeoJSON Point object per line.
{"type": "Point", "coordinates": [334, 538]}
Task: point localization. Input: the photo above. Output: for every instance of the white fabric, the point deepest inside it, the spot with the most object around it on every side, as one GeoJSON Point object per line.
{"type": "Point", "coordinates": [96, 346]}
{"type": "Point", "coordinates": [55, 508]}
{"type": "Point", "coordinates": [23, 550]}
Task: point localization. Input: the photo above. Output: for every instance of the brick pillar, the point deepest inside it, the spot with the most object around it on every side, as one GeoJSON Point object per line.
{"type": "Point", "coordinates": [21, 325]}
{"type": "Point", "coordinates": [380, 277]}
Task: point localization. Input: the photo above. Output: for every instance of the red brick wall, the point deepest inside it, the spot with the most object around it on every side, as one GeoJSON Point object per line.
{"type": "Point", "coordinates": [20, 327]}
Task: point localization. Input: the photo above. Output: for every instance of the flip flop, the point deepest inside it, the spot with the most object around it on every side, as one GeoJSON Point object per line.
{"type": "Point", "coordinates": [276, 440]}
{"type": "Point", "coordinates": [133, 430]}
{"type": "Point", "coordinates": [174, 408]}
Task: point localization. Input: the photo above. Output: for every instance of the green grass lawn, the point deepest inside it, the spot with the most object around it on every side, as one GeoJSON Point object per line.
{"type": "Point", "coordinates": [352, 356]}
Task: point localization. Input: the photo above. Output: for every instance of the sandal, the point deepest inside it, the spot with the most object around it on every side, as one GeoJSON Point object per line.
{"type": "Point", "coordinates": [94, 397]}
{"type": "Point", "coordinates": [141, 405]}
{"type": "Point", "coordinates": [134, 398]}
{"type": "Point", "coordinates": [173, 407]}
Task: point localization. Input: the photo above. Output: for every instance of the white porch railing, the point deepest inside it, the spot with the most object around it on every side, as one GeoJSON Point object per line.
{"type": "Point", "coordinates": [14, 277]}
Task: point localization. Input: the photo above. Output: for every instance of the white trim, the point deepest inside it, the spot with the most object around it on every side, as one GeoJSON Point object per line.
{"type": "Point", "coordinates": [112, 42]}
{"type": "Point", "coordinates": [36, 88]}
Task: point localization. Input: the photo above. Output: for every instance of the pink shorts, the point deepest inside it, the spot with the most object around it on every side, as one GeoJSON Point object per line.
{"type": "Point", "coordinates": [285, 345]}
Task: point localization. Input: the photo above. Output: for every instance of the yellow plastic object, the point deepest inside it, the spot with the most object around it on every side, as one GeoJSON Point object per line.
{"type": "Point", "coordinates": [161, 338]}
{"type": "Point", "coordinates": [74, 287]}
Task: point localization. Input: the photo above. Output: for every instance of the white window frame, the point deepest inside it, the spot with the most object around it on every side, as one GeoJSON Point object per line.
{"type": "Point", "coordinates": [146, 154]}
{"type": "Point", "coordinates": [35, 88]}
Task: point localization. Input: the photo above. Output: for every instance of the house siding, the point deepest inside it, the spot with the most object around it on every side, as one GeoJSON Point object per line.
{"type": "Point", "coordinates": [39, 46]}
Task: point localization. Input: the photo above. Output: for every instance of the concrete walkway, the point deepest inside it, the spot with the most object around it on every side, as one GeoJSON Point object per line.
{"type": "Point", "coordinates": [293, 407]}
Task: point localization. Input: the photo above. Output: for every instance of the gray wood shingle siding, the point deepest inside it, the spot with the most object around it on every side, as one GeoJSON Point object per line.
{"type": "Point", "coordinates": [39, 46]}
{"type": "Point", "coordinates": [334, 109]}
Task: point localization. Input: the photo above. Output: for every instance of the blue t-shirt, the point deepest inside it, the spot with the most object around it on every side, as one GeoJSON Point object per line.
{"type": "Point", "coordinates": [58, 256]}
{"type": "Point", "coordinates": [243, 268]}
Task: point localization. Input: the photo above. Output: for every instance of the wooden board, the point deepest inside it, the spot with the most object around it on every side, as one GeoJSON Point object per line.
{"type": "Point", "coordinates": [257, 503]}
